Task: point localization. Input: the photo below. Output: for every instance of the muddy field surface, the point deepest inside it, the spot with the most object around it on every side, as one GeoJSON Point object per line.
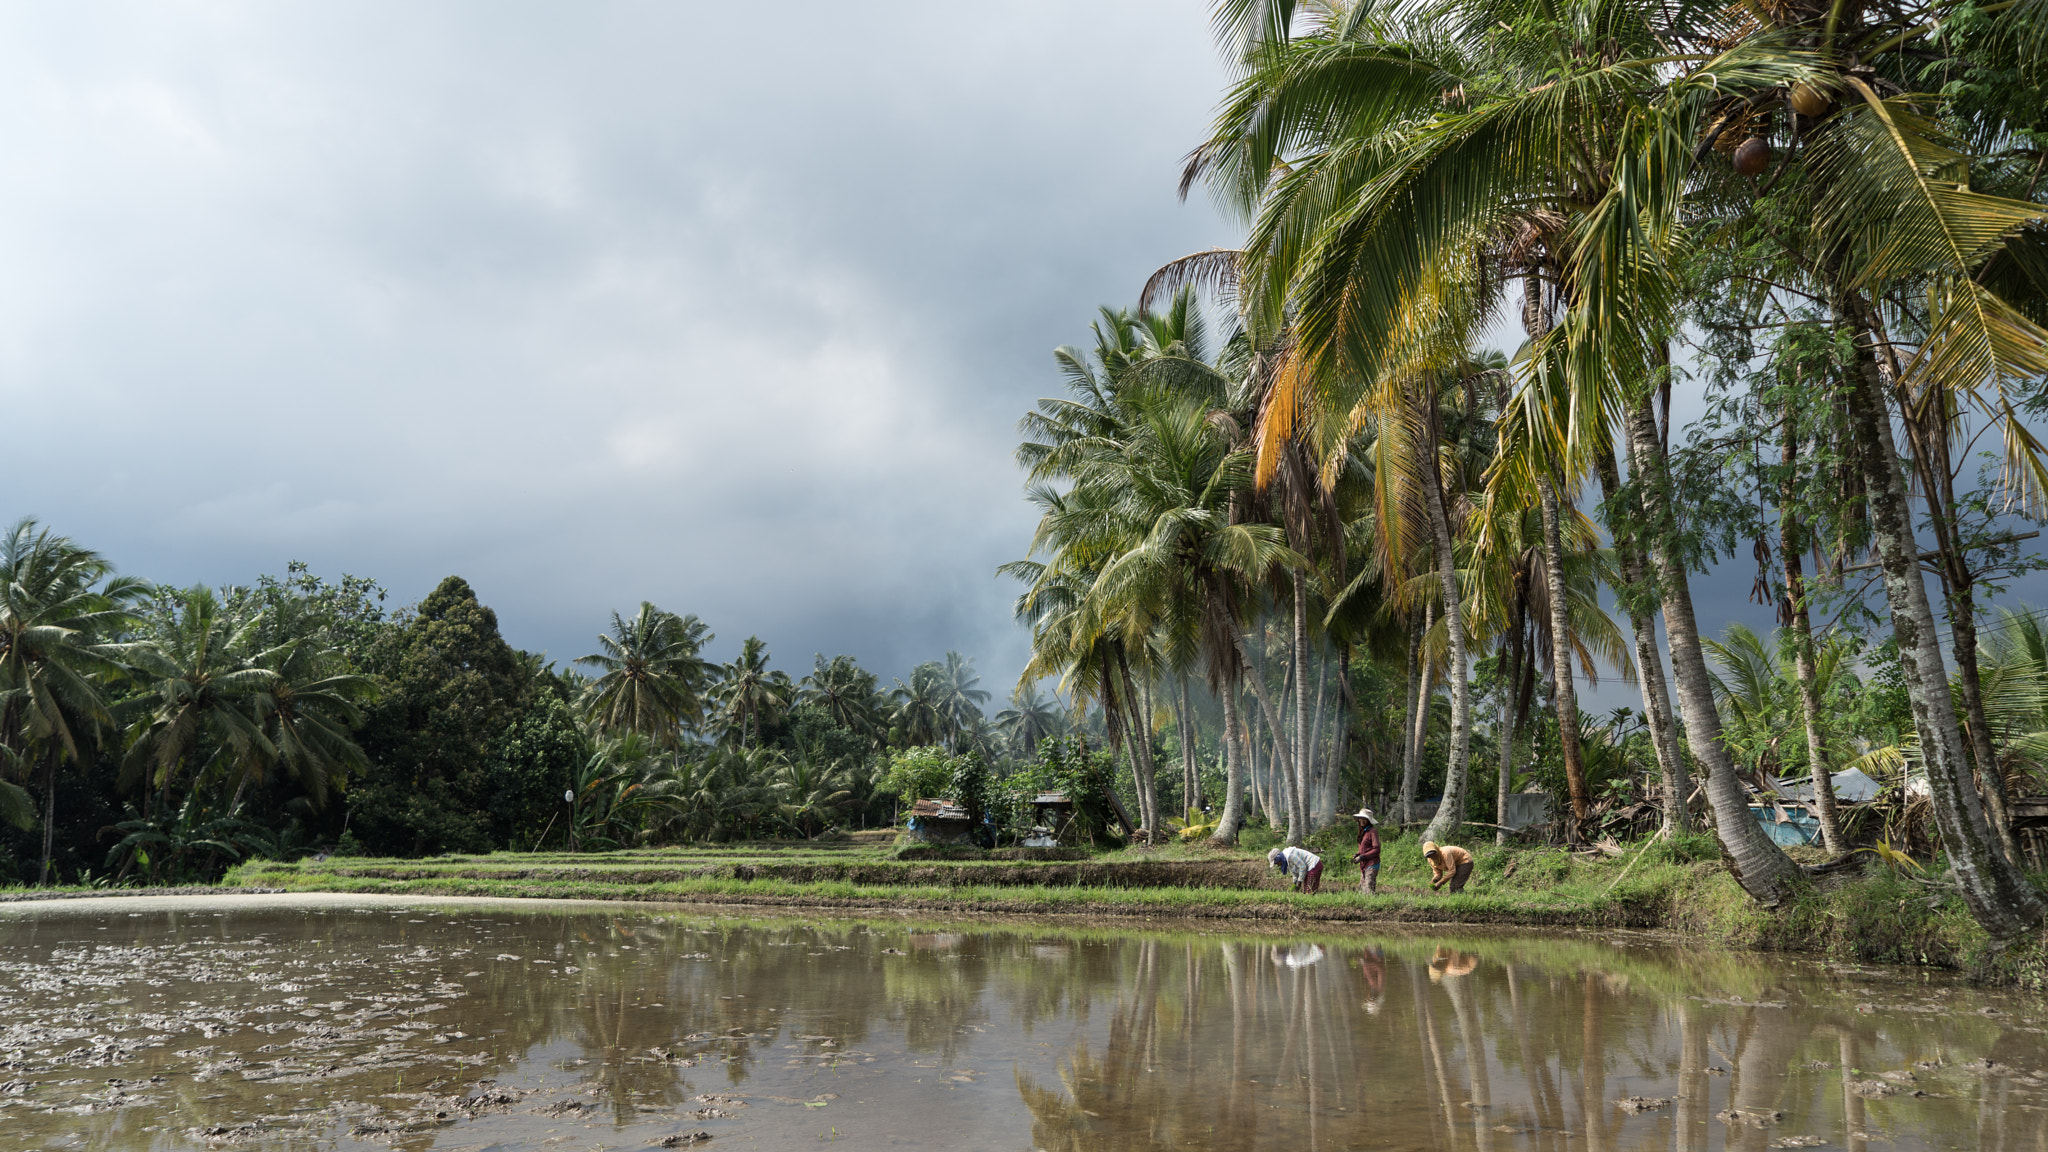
{"type": "Point", "coordinates": [284, 1022]}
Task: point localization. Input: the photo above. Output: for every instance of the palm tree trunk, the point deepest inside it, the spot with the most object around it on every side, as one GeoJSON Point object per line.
{"type": "Point", "coordinates": [1929, 449]}
{"type": "Point", "coordinates": [1341, 757]}
{"type": "Point", "coordinates": [1999, 896]}
{"type": "Point", "coordinates": [1304, 749]}
{"type": "Point", "coordinates": [1511, 665]}
{"type": "Point", "coordinates": [1408, 722]}
{"type": "Point", "coordinates": [1418, 740]}
{"type": "Point", "coordinates": [49, 812]}
{"type": "Point", "coordinates": [1190, 772]}
{"type": "Point", "coordinates": [1990, 774]}
{"type": "Point", "coordinates": [1283, 759]}
{"type": "Point", "coordinates": [1137, 734]}
{"type": "Point", "coordinates": [1458, 774]}
{"type": "Point", "coordinates": [1657, 716]}
{"type": "Point", "coordinates": [1317, 763]}
{"type": "Point", "coordinates": [1233, 773]}
{"type": "Point", "coordinates": [1566, 696]}
{"type": "Point", "coordinates": [1251, 758]}
{"type": "Point", "coordinates": [1760, 866]}
{"type": "Point", "coordinates": [1650, 671]}
{"type": "Point", "coordinates": [1789, 544]}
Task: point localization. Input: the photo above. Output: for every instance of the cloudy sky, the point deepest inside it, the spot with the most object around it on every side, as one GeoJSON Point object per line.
{"type": "Point", "coordinates": [730, 308]}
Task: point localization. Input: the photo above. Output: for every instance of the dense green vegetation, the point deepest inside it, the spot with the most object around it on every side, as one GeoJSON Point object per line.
{"type": "Point", "coordinates": [1825, 223]}
{"type": "Point", "coordinates": [156, 735]}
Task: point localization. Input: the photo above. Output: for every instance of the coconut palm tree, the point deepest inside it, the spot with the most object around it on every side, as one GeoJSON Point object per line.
{"type": "Point", "coordinates": [204, 690]}
{"type": "Point", "coordinates": [59, 606]}
{"type": "Point", "coordinates": [1031, 717]}
{"type": "Point", "coordinates": [846, 692]}
{"type": "Point", "coordinates": [306, 713]}
{"type": "Point", "coordinates": [960, 691]}
{"type": "Point", "coordinates": [751, 695]}
{"type": "Point", "coordinates": [922, 712]}
{"type": "Point", "coordinates": [1398, 163]}
{"type": "Point", "coordinates": [652, 675]}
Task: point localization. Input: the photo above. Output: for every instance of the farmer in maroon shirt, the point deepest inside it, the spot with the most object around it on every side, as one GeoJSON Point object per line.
{"type": "Point", "coordinates": [1368, 854]}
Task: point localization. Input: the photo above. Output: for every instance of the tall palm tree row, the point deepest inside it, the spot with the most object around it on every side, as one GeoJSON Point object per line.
{"type": "Point", "coordinates": [1629, 168]}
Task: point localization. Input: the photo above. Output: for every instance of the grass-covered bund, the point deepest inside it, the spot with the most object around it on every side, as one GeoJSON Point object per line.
{"type": "Point", "coordinates": [1676, 885]}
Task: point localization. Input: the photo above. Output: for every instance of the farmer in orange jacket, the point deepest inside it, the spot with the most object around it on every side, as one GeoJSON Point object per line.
{"type": "Point", "coordinates": [1448, 864]}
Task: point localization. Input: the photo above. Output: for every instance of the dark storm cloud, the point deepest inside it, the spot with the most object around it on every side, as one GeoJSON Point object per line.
{"type": "Point", "coordinates": [730, 309]}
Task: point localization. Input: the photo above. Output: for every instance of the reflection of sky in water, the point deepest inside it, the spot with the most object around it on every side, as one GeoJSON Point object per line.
{"type": "Point", "coordinates": [537, 1026]}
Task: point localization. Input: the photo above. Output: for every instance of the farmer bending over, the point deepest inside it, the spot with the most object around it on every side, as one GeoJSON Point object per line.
{"type": "Point", "coordinates": [1304, 866]}
{"type": "Point", "coordinates": [1448, 863]}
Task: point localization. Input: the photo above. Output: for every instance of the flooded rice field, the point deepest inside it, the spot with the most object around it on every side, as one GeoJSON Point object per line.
{"type": "Point", "coordinates": [242, 1022]}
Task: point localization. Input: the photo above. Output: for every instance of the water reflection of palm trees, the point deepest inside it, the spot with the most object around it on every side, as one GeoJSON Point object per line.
{"type": "Point", "coordinates": [1512, 1044]}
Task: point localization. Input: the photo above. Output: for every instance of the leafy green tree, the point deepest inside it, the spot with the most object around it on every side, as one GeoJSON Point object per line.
{"type": "Point", "coordinates": [453, 688]}
{"type": "Point", "coordinates": [534, 764]}
{"type": "Point", "coordinates": [924, 772]}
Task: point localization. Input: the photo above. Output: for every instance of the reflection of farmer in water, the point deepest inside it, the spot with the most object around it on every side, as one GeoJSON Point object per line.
{"type": "Point", "coordinates": [1368, 854]}
{"type": "Point", "coordinates": [1299, 955]}
{"type": "Point", "coordinates": [1304, 867]}
{"type": "Point", "coordinates": [1448, 864]}
{"type": "Point", "coordinates": [1449, 963]}
{"type": "Point", "coordinates": [1373, 962]}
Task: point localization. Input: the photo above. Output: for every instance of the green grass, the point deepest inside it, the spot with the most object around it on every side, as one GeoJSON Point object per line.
{"type": "Point", "coordinates": [1678, 885]}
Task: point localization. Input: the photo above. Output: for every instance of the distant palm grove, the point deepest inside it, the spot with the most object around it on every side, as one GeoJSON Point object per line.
{"type": "Point", "coordinates": [1386, 555]}
{"type": "Point", "coordinates": [151, 734]}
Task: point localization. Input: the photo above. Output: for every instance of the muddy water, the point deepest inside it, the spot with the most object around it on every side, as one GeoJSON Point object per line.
{"type": "Point", "coordinates": [231, 1022]}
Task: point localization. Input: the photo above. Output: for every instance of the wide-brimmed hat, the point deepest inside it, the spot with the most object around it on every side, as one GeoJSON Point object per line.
{"type": "Point", "coordinates": [1365, 814]}
{"type": "Point", "coordinates": [1276, 854]}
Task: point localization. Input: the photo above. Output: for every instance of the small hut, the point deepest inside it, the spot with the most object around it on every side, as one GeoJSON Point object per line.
{"type": "Point", "coordinates": [1050, 812]}
{"type": "Point", "coordinates": [940, 822]}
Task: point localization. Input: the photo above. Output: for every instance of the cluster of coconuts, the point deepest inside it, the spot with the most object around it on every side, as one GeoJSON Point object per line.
{"type": "Point", "coordinates": [1753, 155]}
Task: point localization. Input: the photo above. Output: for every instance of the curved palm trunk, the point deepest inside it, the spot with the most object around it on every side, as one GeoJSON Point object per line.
{"type": "Point", "coordinates": [1233, 773]}
{"type": "Point", "coordinates": [1566, 697]}
{"type": "Point", "coordinates": [1457, 774]}
{"type": "Point", "coordinates": [1789, 544]}
{"type": "Point", "coordinates": [1650, 674]}
{"type": "Point", "coordinates": [1761, 867]}
{"type": "Point", "coordinates": [1999, 896]}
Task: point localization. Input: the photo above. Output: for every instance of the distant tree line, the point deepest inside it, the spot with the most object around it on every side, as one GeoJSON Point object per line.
{"type": "Point", "coordinates": [152, 734]}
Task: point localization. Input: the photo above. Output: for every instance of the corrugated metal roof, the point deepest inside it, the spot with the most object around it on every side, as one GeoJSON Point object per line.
{"type": "Point", "coordinates": [938, 810]}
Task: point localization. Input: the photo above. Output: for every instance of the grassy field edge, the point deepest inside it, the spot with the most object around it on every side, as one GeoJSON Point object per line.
{"type": "Point", "coordinates": [1677, 887]}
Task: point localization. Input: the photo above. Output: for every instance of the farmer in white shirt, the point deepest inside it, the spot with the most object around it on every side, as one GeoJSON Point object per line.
{"type": "Point", "coordinates": [1302, 865]}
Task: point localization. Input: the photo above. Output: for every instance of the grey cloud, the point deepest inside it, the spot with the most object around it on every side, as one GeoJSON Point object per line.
{"type": "Point", "coordinates": [587, 303]}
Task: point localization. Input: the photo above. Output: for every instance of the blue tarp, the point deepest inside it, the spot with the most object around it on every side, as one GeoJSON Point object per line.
{"type": "Point", "coordinates": [1802, 828]}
